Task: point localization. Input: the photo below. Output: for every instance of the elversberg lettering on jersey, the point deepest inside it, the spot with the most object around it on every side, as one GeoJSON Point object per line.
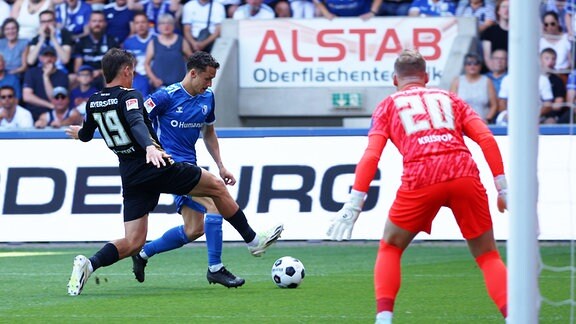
{"type": "Point", "coordinates": [107, 110]}
{"type": "Point", "coordinates": [178, 118]}
{"type": "Point", "coordinates": [426, 127]}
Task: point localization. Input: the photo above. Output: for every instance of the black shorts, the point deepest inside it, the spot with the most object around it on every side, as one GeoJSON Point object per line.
{"type": "Point", "coordinates": [140, 198]}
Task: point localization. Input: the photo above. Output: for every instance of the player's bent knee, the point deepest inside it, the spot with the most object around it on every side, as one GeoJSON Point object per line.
{"type": "Point", "coordinates": [194, 232]}
{"type": "Point", "coordinates": [219, 188]}
{"type": "Point", "coordinates": [209, 186]}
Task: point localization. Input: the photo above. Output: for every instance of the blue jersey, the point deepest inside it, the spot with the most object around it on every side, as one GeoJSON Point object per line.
{"type": "Point", "coordinates": [178, 118]}
{"type": "Point", "coordinates": [153, 12]}
{"type": "Point", "coordinates": [137, 46]}
{"type": "Point", "coordinates": [118, 19]}
{"type": "Point", "coordinates": [435, 9]}
{"type": "Point", "coordinates": [73, 19]}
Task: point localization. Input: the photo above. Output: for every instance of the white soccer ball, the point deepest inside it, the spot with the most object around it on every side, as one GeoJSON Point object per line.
{"type": "Point", "coordinates": [288, 272]}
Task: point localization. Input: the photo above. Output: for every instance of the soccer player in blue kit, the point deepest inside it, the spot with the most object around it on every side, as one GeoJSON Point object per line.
{"type": "Point", "coordinates": [146, 170]}
{"type": "Point", "coordinates": [179, 113]}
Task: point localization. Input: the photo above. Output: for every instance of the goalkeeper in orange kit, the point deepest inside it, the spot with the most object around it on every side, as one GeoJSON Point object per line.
{"type": "Point", "coordinates": [427, 127]}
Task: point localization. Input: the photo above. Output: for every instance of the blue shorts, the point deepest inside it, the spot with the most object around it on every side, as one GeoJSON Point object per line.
{"type": "Point", "coordinates": [180, 201]}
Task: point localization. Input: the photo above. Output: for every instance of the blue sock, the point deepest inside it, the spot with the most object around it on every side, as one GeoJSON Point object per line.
{"type": "Point", "coordinates": [172, 239]}
{"type": "Point", "coordinates": [213, 231]}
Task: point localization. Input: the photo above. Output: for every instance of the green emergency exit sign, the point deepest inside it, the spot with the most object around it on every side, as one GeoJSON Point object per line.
{"type": "Point", "coordinates": [346, 100]}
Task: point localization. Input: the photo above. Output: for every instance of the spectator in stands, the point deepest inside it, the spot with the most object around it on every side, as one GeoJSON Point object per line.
{"type": "Point", "coordinates": [7, 79]}
{"type": "Point", "coordinates": [394, 8]}
{"type": "Point", "coordinates": [136, 44]}
{"type": "Point", "coordinates": [74, 15]}
{"type": "Point", "coordinates": [40, 81]}
{"type": "Point", "coordinates": [254, 9]}
{"type": "Point", "coordinates": [548, 63]}
{"type": "Point", "coordinates": [200, 30]}
{"type": "Point", "coordinates": [90, 49]}
{"type": "Point", "coordinates": [154, 8]}
{"type": "Point", "coordinates": [62, 114]}
{"type": "Point", "coordinates": [499, 68]}
{"type": "Point", "coordinates": [545, 96]}
{"type": "Point", "coordinates": [281, 8]}
{"type": "Point", "coordinates": [496, 36]}
{"type": "Point", "coordinates": [302, 9]}
{"type": "Point", "coordinates": [485, 13]}
{"type": "Point", "coordinates": [4, 12]}
{"type": "Point", "coordinates": [365, 9]}
{"type": "Point", "coordinates": [11, 114]}
{"type": "Point", "coordinates": [27, 13]}
{"type": "Point", "coordinates": [165, 55]}
{"type": "Point", "coordinates": [476, 89]}
{"type": "Point", "coordinates": [13, 49]}
{"type": "Point", "coordinates": [50, 35]}
{"type": "Point", "coordinates": [432, 8]}
{"type": "Point", "coordinates": [80, 94]}
{"type": "Point", "coordinates": [118, 20]}
{"type": "Point", "coordinates": [559, 7]}
{"type": "Point", "coordinates": [553, 37]}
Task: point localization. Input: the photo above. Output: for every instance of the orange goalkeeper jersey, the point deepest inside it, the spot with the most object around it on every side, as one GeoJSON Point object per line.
{"type": "Point", "coordinates": [427, 126]}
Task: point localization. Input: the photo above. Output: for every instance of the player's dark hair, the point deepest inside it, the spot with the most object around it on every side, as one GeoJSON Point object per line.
{"type": "Point", "coordinates": [115, 60]}
{"type": "Point", "coordinates": [409, 63]}
{"type": "Point", "coordinates": [200, 60]}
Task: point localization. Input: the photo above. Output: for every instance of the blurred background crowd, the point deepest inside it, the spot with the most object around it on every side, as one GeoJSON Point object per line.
{"type": "Point", "coordinates": [50, 50]}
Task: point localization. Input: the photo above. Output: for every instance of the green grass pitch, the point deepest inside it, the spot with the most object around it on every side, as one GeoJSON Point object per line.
{"type": "Point", "coordinates": [440, 284]}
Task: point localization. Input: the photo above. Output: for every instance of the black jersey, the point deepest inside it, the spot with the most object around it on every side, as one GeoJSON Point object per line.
{"type": "Point", "coordinates": [119, 115]}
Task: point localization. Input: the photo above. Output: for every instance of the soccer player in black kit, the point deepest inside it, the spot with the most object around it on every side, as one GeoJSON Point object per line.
{"type": "Point", "coordinates": [146, 169]}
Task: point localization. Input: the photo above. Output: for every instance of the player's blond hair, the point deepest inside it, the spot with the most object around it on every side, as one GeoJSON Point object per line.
{"type": "Point", "coordinates": [409, 63]}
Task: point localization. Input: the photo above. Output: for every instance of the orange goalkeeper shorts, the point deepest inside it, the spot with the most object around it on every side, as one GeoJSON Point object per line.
{"type": "Point", "coordinates": [414, 210]}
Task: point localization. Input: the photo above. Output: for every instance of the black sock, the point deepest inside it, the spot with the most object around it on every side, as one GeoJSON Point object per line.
{"type": "Point", "coordinates": [240, 223]}
{"type": "Point", "coordinates": [107, 255]}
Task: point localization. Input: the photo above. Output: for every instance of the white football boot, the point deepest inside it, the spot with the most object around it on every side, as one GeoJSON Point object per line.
{"type": "Point", "coordinates": [81, 271]}
{"type": "Point", "coordinates": [266, 239]}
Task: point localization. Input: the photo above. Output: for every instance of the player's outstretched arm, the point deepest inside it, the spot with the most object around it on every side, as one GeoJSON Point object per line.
{"type": "Point", "coordinates": [343, 222]}
{"type": "Point", "coordinates": [477, 130]}
{"type": "Point", "coordinates": [212, 145]}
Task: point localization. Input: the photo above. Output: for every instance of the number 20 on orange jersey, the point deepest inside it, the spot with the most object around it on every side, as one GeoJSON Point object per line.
{"type": "Point", "coordinates": [439, 112]}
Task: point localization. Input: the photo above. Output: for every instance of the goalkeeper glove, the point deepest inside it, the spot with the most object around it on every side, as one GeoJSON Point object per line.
{"type": "Point", "coordinates": [502, 187]}
{"type": "Point", "coordinates": [343, 223]}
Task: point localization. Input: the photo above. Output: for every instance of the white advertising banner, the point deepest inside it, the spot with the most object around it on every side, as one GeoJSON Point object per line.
{"type": "Point", "coordinates": [60, 190]}
{"type": "Point", "coordinates": [340, 52]}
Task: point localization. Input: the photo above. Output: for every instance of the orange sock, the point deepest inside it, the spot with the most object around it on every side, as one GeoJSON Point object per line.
{"type": "Point", "coordinates": [494, 272]}
{"type": "Point", "coordinates": [387, 276]}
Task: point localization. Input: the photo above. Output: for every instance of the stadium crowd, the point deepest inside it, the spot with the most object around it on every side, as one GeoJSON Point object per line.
{"type": "Point", "coordinates": [51, 50]}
